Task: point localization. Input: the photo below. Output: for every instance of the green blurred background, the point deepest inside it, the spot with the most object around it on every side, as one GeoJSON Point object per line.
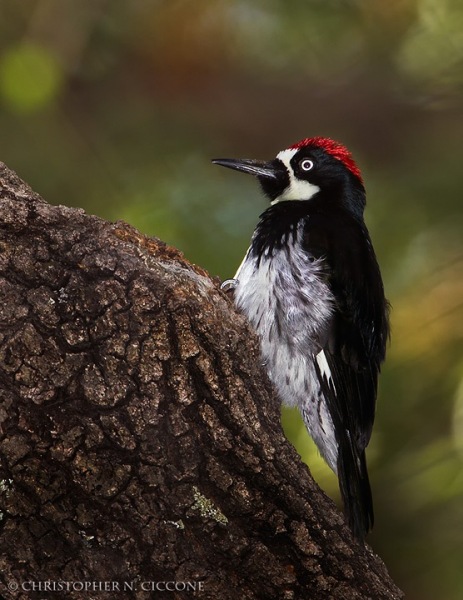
{"type": "Point", "coordinates": [118, 106]}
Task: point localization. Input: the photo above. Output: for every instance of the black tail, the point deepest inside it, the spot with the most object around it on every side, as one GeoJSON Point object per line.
{"type": "Point", "coordinates": [348, 403]}
{"type": "Point", "coordinates": [355, 488]}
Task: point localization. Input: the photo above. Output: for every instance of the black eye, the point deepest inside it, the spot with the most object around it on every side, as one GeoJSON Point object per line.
{"type": "Point", "coordinates": [306, 164]}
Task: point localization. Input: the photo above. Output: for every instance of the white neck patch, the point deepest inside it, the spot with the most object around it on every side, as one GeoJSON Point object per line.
{"type": "Point", "coordinates": [298, 189]}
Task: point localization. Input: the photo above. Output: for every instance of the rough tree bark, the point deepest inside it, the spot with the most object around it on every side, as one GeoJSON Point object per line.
{"type": "Point", "coordinates": [140, 440]}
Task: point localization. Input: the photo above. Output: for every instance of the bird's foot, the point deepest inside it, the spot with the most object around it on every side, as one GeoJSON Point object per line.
{"type": "Point", "coordinates": [229, 285]}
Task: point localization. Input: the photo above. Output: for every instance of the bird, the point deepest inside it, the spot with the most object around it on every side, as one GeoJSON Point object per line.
{"type": "Point", "coordinates": [311, 287]}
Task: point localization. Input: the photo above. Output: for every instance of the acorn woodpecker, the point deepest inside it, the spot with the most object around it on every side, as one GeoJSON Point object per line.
{"type": "Point", "coordinates": [311, 287]}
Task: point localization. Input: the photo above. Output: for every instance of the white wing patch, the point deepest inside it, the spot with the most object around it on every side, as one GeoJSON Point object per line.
{"type": "Point", "coordinates": [325, 368]}
{"type": "Point", "coordinates": [298, 189]}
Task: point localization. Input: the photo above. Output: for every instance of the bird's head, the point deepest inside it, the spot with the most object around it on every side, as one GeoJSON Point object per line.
{"type": "Point", "coordinates": [314, 168]}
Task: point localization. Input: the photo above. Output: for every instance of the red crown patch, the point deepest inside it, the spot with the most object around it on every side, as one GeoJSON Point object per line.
{"type": "Point", "coordinates": [334, 148]}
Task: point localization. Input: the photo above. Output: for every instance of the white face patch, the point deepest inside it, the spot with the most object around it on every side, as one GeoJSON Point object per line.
{"type": "Point", "coordinates": [298, 189]}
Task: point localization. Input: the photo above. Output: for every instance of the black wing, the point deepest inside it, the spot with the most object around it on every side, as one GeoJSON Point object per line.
{"type": "Point", "coordinates": [354, 347]}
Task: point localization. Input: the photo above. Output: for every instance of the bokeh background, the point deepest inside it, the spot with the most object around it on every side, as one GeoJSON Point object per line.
{"type": "Point", "coordinates": [117, 106]}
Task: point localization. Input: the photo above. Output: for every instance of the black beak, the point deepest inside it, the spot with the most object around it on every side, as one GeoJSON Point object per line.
{"type": "Point", "coordinates": [257, 168]}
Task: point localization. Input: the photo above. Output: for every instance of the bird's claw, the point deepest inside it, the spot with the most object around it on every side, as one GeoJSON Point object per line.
{"type": "Point", "coordinates": [229, 285]}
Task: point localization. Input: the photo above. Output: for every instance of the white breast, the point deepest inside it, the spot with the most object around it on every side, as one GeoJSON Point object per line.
{"type": "Point", "coordinates": [289, 304]}
{"type": "Point", "coordinates": [286, 297]}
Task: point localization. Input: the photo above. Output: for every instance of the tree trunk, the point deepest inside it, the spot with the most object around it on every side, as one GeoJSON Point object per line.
{"type": "Point", "coordinates": [140, 445]}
